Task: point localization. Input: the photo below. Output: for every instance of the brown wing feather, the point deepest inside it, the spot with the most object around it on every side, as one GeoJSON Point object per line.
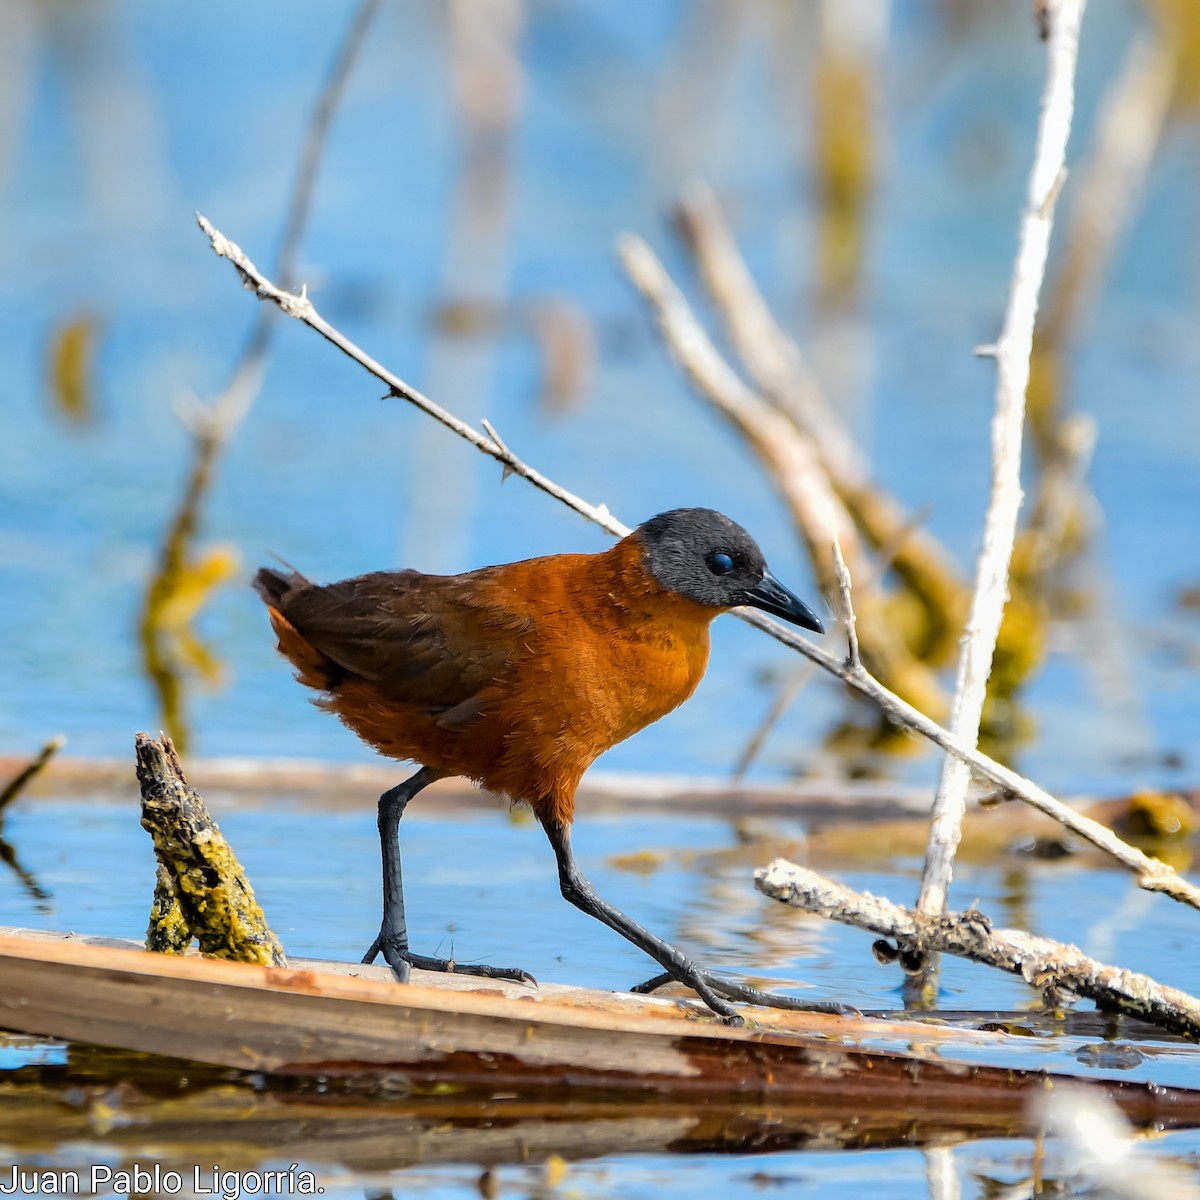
{"type": "Point", "coordinates": [437, 642]}
{"type": "Point", "coordinates": [516, 676]}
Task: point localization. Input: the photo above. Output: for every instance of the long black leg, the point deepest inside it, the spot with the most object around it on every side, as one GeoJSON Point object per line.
{"type": "Point", "coordinates": [393, 934]}
{"type": "Point", "coordinates": [707, 985]}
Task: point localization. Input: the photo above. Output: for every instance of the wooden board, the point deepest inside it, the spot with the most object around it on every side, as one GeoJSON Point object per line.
{"type": "Point", "coordinates": [341, 1020]}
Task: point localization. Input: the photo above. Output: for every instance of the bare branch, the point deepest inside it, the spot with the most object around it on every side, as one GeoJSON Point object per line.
{"type": "Point", "coordinates": [302, 309]}
{"type": "Point", "coordinates": [784, 380]}
{"type": "Point", "coordinates": [773, 359]}
{"type": "Point", "coordinates": [1041, 962]}
{"type": "Point", "coordinates": [11, 790]}
{"type": "Point", "coordinates": [789, 455]}
{"type": "Point", "coordinates": [1153, 875]}
{"type": "Point", "coordinates": [1012, 363]}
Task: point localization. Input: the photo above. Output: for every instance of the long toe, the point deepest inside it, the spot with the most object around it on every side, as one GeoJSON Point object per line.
{"type": "Point", "coordinates": [744, 994]}
{"type": "Point", "coordinates": [751, 995]}
{"type": "Point", "coordinates": [651, 985]}
{"type": "Point", "coordinates": [701, 982]}
{"type": "Point", "coordinates": [482, 970]}
{"type": "Point", "coordinates": [398, 961]}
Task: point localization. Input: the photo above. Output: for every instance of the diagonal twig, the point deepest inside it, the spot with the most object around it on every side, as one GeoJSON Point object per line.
{"type": "Point", "coordinates": [11, 790]}
{"type": "Point", "coordinates": [779, 370]}
{"type": "Point", "coordinates": [302, 309]}
{"type": "Point", "coordinates": [1152, 874]}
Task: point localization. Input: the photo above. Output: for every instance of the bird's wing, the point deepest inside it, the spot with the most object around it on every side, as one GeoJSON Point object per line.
{"type": "Point", "coordinates": [440, 642]}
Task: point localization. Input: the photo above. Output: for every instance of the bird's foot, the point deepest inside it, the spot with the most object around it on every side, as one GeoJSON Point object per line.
{"type": "Point", "coordinates": [402, 960]}
{"type": "Point", "coordinates": [709, 985]}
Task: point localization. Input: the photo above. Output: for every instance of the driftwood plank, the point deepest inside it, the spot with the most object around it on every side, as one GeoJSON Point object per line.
{"type": "Point", "coordinates": [310, 1020]}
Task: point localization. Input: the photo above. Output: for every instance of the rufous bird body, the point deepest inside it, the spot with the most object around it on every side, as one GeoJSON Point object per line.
{"type": "Point", "coordinates": [519, 676]}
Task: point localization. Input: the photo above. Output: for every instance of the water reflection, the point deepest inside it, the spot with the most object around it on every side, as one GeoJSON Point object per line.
{"type": "Point", "coordinates": [189, 1111]}
{"type": "Point", "coordinates": [8, 793]}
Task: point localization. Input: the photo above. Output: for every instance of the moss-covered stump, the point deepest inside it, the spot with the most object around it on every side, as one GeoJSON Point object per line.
{"type": "Point", "coordinates": [201, 891]}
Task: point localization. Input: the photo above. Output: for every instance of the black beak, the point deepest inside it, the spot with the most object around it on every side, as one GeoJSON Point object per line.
{"type": "Point", "coordinates": [772, 597]}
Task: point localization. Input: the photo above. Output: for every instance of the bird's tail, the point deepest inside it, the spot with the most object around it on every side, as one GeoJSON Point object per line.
{"type": "Point", "coordinates": [273, 585]}
{"type": "Point", "coordinates": [313, 668]}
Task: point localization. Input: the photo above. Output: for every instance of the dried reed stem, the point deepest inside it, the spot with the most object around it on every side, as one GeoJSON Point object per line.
{"type": "Point", "coordinates": [1012, 353]}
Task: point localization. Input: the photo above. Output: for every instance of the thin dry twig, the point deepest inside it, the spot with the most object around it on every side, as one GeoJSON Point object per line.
{"type": "Point", "coordinates": [785, 697]}
{"type": "Point", "coordinates": [773, 359]}
{"type": "Point", "coordinates": [1152, 874]}
{"type": "Point", "coordinates": [1012, 362]}
{"type": "Point", "coordinates": [789, 454]}
{"type": "Point", "coordinates": [846, 608]}
{"type": "Point", "coordinates": [302, 309]}
{"type": "Point", "coordinates": [15, 786]}
{"type": "Point", "coordinates": [1043, 963]}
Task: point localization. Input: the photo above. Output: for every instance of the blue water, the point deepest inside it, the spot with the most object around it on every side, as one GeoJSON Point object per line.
{"type": "Point", "coordinates": [897, 1173]}
{"type": "Point", "coordinates": [120, 118]}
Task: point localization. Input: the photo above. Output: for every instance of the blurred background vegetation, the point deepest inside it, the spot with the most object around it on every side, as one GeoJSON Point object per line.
{"type": "Point", "coordinates": [868, 159]}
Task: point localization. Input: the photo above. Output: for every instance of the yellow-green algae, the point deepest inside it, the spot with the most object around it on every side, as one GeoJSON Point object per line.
{"type": "Point", "coordinates": [201, 891]}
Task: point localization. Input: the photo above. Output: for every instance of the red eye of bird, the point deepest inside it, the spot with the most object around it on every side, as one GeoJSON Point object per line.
{"type": "Point", "coordinates": [720, 563]}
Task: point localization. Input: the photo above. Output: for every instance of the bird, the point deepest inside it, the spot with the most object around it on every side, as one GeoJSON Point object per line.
{"type": "Point", "coordinates": [518, 677]}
